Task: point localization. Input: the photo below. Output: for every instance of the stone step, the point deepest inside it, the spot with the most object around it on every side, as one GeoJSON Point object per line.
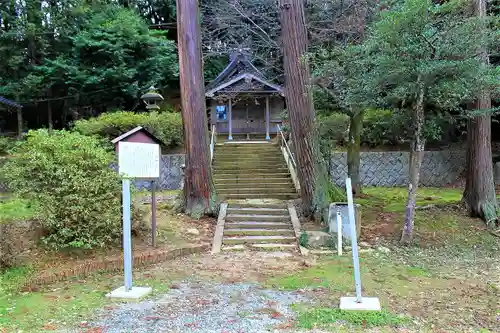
{"type": "Point", "coordinates": [257, 211]}
{"type": "Point", "coordinates": [263, 205]}
{"type": "Point", "coordinates": [278, 196]}
{"type": "Point", "coordinates": [257, 191]}
{"type": "Point", "coordinates": [249, 178]}
{"type": "Point", "coordinates": [259, 218]}
{"type": "Point", "coordinates": [238, 247]}
{"type": "Point", "coordinates": [256, 161]}
{"type": "Point", "coordinates": [239, 148]}
{"type": "Point", "coordinates": [258, 225]}
{"type": "Point", "coordinates": [258, 239]}
{"type": "Point", "coordinates": [261, 247]}
{"type": "Point", "coordinates": [259, 232]}
{"type": "Point", "coordinates": [249, 166]}
{"type": "Point", "coordinates": [274, 246]}
{"type": "Point", "coordinates": [242, 181]}
{"type": "Point", "coordinates": [250, 171]}
{"type": "Point", "coordinates": [257, 184]}
{"type": "Point", "coordinates": [247, 156]}
{"type": "Point", "coordinates": [250, 144]}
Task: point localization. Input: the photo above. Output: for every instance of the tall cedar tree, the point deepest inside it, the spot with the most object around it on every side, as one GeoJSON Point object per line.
{"type": "Point", "coordinates": [424, 55]}
{"type": "Point", "coordinates": [300, 106]}
{"type": "Point", "coordinates": [479, 194]}
{"type": "Point", "coordinates": [199, 192]}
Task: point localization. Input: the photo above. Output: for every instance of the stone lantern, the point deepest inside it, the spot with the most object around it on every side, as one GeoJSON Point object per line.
{"type": "Point", "coordinates": [151, 98]}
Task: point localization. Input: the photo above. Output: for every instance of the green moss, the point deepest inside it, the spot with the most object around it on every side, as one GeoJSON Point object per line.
{"type": "Point", "coordinates": [323, 317]}
{"type": "Point", "coordinates": [393, 199]}
{"type": "Point", "coordinates": [417, 271]}
{"type": "Point", "coordinates": [63, 304]}
{"type": "Point", "coordinates": [14, 209]}
{"type": "Point", "coordinates": [335, 275]}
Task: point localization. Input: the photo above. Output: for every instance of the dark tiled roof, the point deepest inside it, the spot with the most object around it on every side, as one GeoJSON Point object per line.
{"type": "Point", "coordinates": [238, 66]}
{"type": "Point", "coordinates": [10, 103]}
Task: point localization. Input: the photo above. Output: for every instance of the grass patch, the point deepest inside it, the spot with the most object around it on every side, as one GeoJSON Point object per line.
{"type": "Point", "coordinates": [393, 199]}
{"type": "Point", "coordinates": [15, 209]}
{"type": "Point", "coordinates": [12, 278]}
{"type": "Point", "coordinates": [62, 305]}
{"type": "Point", "coordinates": [336, 275]}
{"type": "Point", "coordinates": [324, 317]}
{"type": "Point", "coordinates": [417, 271]}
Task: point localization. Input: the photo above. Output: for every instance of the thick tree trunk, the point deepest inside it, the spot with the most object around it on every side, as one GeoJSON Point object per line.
{"type": "Point", "coordinates": [479, 193]}
{"type": "Point", "coordinates": [353, 147]}
{"type": "Point", "coordinates": [300, 104]}
{"type": "Point", "coordinates": [49, 116]}
{"type": "Point", "coordinates": [417, 155]}
{"type": "Point", "coordinates": [49, 111]}
{"type": "Point", "coordinates": [199, 192]}
{"type": "Point", "coordinates": [20, 122]}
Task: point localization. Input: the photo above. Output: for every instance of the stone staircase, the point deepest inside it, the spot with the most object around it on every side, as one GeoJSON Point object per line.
{"type": "Point", "coordinates": [258, 226]}
{"type": "Point", "coordinates": [252, 171]}
{"type": "Point", "coordinates": [254, 180]}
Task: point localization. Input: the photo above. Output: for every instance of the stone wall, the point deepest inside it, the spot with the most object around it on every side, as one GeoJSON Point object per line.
{"type": "Point", "coordinates": [439, 168]}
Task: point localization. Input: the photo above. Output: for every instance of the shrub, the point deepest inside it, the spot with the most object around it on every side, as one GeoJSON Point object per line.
{"type": "Point", "coordinates": [167, 126]}
{"type": "Point", "coordinates": [384, 127]}
{"type": "Point", "coordinates": [6, 144]}
{"type": "Point", "coordinates": [68, 175]}
{"type": "Point", "coordinates": [334, 127]}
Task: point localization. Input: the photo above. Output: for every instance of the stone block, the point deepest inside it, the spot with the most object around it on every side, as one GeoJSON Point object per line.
{"type": "Point", "coordinates": [346, 227]}
{"type": "Point", "coordinates": [318, 239]}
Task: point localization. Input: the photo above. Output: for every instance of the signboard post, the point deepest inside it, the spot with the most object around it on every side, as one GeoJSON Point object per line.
{"type": "Point", "coordinates": [135, 161]}
{"type": "Point", "coordinates": [358, 302]}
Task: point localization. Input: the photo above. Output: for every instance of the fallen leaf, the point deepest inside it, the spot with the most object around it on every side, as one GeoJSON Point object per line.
{"type": "Point", "coordinates": [95, 330]}
{"type": "Point", "coordinates": [275, 315]}
{"type": "Point", "coordinates": [49, 327]}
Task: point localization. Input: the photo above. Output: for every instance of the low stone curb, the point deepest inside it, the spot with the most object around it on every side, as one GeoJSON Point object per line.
{"type": "Point", "coordinates": [110, 265]}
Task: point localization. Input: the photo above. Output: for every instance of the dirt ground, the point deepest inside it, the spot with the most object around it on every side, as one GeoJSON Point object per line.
{"type": "Point", "coordinates": [449, 281]}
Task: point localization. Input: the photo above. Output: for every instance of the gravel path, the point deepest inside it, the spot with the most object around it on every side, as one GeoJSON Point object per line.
{"type": "Point", "coordinates": [204, 307]}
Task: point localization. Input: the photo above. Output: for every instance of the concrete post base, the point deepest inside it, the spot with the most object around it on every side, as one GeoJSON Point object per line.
{"type": "Point", "coordinates": [134, 293]}
{"type": "Point", "coordinates": [367, 304]}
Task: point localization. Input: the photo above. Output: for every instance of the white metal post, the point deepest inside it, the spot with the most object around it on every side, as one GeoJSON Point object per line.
{"type": "Point", "coordinates": [354, 240]}
{"type": "Point", "coordinates": [339, 233]}
{"type": "Point", "coordinates": [127, 236]}
{"type": "Point", "coordinates": [230, 121]}
{"type": "Point", "coordinates": [267, 119]}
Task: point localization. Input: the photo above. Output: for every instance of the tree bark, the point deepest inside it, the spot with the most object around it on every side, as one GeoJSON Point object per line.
{"type": "Point", "coordinates": [20, 122]}
{"type": "Point", "coordinates": [479, 193]}
{"type": "Point", "coordinates": [199, 191]}
{"type": "Point", "coordinates": [417, 155]}
{"type": "Point", "coordinates": [49, 110]}
{"type": "Point", "coordinates": [353, 148]}
{"type": "Point", "coordinates": [300, 103]}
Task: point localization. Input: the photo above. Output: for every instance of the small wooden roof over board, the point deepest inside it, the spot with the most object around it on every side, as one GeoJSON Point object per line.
{"type": "Point", "coordinates": [241, 76]}
{"type": "Point", "coordinates": [138, 134]}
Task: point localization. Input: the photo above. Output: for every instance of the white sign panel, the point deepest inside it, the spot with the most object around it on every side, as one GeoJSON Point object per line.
{"type": "Point", "coordinates": [139, 160]}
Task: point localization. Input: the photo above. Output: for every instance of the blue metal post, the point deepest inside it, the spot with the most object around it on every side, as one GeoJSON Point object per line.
{"type": "Point", "coordinates": [354, 239]}
{"type": "Point", "coordinates": [127, 235]}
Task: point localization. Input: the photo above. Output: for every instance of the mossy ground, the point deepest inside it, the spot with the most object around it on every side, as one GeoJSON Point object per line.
{"type": "Point", "coordinates": [448, 281]}
{"type": "Point", "coordinates": [14, 209]}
